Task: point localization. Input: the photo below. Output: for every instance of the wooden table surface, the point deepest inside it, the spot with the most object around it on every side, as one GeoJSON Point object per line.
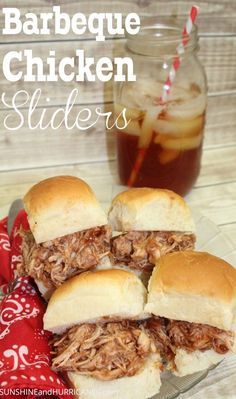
{"type": "Point", "coordinates": [29, 156]}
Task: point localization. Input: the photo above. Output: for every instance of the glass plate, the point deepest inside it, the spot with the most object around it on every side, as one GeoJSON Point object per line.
{"type": "Point", "coordinates": [209, 239]}
{"type": "Point", "coordinates": [173, 386]}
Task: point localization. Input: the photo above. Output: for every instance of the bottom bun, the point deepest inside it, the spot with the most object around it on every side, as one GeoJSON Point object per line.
{"type": "Point", "coordinates": [189, 363]}
{"type": "Point", "coordinates": [141, 386]}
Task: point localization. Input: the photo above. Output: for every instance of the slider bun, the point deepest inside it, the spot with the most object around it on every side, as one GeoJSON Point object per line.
{"type": "Point", "coordinates": [195, 287]}
{"type": "Point", "coordinates": [143, 385]}
{"type": "Point", "coordinates": [150, 209]}
{"type": "Point", "coordinates": [62, 205]}
{"type": "Point", "coordinates": [94, 295]}
{"type": "Point", "coordinates": [192, 362]}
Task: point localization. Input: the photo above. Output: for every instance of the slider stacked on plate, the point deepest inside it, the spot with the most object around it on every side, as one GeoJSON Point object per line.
{"type": "Point", "coordinates": [151, 223]}
{"type": "Point", "coordinates": [192, 296]}
{"type": "Point", "coordinates": [101, 341]}
{"type": "Point", "coordinates": [68, 232]}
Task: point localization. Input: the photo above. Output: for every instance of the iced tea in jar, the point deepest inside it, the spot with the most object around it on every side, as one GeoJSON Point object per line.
{"type": "Point", "coordinates": [170, 132]}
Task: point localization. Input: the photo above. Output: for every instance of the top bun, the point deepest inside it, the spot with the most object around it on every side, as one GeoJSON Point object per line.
{"type": "Point", "coordinates": [150, 209]}
{"type": "Point", "coordinates": [195, 287]}
{"type": "Point", "coordinates": [95, 295]}
{"type": "Point", "coordinates": [62, 205]}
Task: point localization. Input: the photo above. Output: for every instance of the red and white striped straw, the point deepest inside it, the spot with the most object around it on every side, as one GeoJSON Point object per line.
{"type": "Point", "coordinates": [167, 85]}
{"type": "Point", "coordinates": [179, 50]}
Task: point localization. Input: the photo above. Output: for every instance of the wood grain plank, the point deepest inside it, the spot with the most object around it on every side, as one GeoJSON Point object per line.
{"type": "Point", "coordinates": [209, 175]}
{"type": "Point", "coordinates": [100, 175]}
{"type": "Point", "coordinates": [220, 122]}
{"type": "Point", "coordinates": [216, 17]}
{"type": "Point", "coordinates": [218, 55]}
{"type": "Point", "coordinates": [27, 149]}
{"type": "Point", "coordinates": [58, 92]}
{"type": "Point", "coordinates": [71, 8]}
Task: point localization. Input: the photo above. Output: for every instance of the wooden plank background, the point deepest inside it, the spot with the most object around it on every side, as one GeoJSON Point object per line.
{"type": "Point", "coordinates": [217, 17]}
{"type": "Point", "coordinates": [28, 156]}
{"type": "Point", "coordinates": [69, 147]}
{"type": "Point", "coordinates": [218, 55]}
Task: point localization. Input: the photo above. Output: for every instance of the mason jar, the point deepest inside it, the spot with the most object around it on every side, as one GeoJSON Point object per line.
{"type": "Point", "coordinates": [161, 146]}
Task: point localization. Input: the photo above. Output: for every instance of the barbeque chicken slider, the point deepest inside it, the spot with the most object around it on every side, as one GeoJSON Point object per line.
{"type": "Point", "coordinates": [151, 222]}
{"type": "Point", "coordinates": [100, 338]}
{"type": "Point", "coordinates": [193, 297]}
{"type": "Point", "coordinates": [68, 233]}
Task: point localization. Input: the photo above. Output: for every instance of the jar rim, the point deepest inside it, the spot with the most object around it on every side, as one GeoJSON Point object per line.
{"type": "Point", "coordinates": [160, 33]}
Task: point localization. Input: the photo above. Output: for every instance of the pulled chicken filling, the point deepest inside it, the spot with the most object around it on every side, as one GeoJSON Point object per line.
{"type": "Point", "coordinates": [53, 262]}
{"type": "Point", "coordinates": [140, 249]}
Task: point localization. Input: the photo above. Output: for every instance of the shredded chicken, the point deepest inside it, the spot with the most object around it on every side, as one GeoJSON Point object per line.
{"type": "Point", "coordinates": [111, 350]}
{"type": "Point", "coordinates": [140, 249]}
{"type": "Point", "coordinates": [105, 351]}
{"type": "Point", "coordinates": [194, 336]}
{"type": "Point", "coordinates": [53, 262]}
{"type": "Point", "coordinates": [157, 331]}
{"type": "Point", "coordinates": [169, 335]}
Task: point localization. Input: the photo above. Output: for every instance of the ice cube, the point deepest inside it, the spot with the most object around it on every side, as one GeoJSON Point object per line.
{"type": "Point", "coordinates": [189, 108]}
{"type": "Point", "coordinates": [179, 127]}
{"type": "Point", "coordinates": [185, 143]}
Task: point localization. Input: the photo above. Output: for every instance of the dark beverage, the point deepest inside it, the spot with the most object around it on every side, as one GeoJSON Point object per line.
{"type": "Point", "coordinates": [172, 137]}
{"type": "Point", "coordinates": [172, 169]}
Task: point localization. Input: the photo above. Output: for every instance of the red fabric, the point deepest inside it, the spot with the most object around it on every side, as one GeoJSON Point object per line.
{"type": "Point", "coordinates": [5, 270]}
{"type": "Point", "coordinates": [10, 253]}
{"type": "Point", "coordinates": [24, 349]}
